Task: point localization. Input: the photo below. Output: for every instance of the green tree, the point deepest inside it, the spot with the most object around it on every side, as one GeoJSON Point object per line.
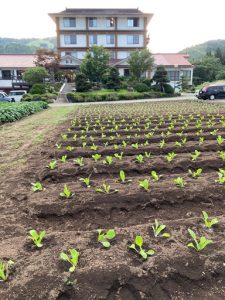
{"type": "Point", "coordinates": [140, 62]}
{"type": "Point", "coordinates": [113, 79]}
{"type": "Point", "coordinates": [206, 69]}
{"type": "Point", "coordinates": [160, 77]}
{"type": "Point", "coordinates": [82, 83]}
{"type": "Point", "coordinates": [35, 75]}
{"type": "Point", "coordinates": [95, 63]}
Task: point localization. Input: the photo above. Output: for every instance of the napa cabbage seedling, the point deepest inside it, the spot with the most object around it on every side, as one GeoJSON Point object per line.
{"type": "Point", "coordinates": [84, 144]}
{"type": "Point", "coordinates": [79, 161]}
{"type": "Point", "coordinates": [86, 181]}
{"type": "Point", "coordinates": [63, 158]}
{"type": "Point", "coordinates": [148, 154]}
{"type": "Point", "coordinates": [105, 189]}
{"type": "Point", "coordinates": [72, 258]}
{"type": "Point", "coordinates": [52, 164]}
{"type": "Point", "coordinates": [140, 158]}
{"type": "Point", "coordinates": [198, 245]}
{"type": "Point", "coordinates": [124, 143]}
{"type": "Point", "coordinates": [195, 155]}
{"type": "Point", "coordinates": [4, 269]}
{"type": "Point", "coordinates": [158, 228]}
{"type": "Point", "coordinates": [96, 157]}
{"type": "Point", "coordinates": [66, 193]}
{"type": "Point", "coordinates": [155, 176]}
{"type": "Point", "coordinates": [179, 181]}
{"type": "Point", "coordinates": [221, 154]}
{"type": "Point", "coordinates": [123, 177]}
{"type": "Point", "coordinates": [115, 146]}
{"type": "Point", "coordinates": [220, 140]}
{"type": "Point", "coordinates": [104, 238]}
{"type": "Point", "coordinates": [108, 160]}
{"type": "Point", "coordinates": [221, 176]}
{"type": "Point", "coordinates": [58, 146]}
{"type": "Point", "coordinates": [144, 184]}
{"type": "Point", "coordinates": [119, 156]}
{"type": "Point", "coordinates": [195, 174]}
{"type": "Point", "coordinates": [70, 148]}
{"type": "Point", "coordinates": [137, 247]}
{"type": "Point", "coordinates": [64, 136]}
{"type": "Point", "coordinates": [170, 156]}
{"type": "Point", "coordinates": [37, 238]}
{"type": "Point", "coordinates": [37, 186]}
{"type": "Point", "coordinates": [209, 223]}
{"type": "Point", "coordinates": [178, 144]}
{"type": "Point", "coordinates": [201, 140]}
{"type": "Point", "coordinates": [93, 147]}
{"type": "Point", "coordinates": [135, 146]}
{"type": "Point", "coordinates": [162, 143]}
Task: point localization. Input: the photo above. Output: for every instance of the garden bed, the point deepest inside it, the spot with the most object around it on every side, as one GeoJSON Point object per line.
{"type": "Point", "coordinates": [175, 271]}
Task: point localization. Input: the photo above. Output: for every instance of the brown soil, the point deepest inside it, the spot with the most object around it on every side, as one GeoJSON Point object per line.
{"type": "Point", "coordinates": [174, 272]}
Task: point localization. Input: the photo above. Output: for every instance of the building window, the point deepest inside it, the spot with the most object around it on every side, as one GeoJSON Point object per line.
{"type": "Point", "coordinates": [110, 39]}
{"type": "Point", "coordinates": [92, 22]}
{"type": "Point", "coordinates": [133, 39]}
{"type": "Point", "coordinates": [70, 39]}
{"type": "Point", "coordinates": [126, 72]}
{"type": "Point", "coordinates": [19, 74]}
{"type": "Point", "coordinates": [69, 53]}
{"type": "Point", "coordinates": [173, 75]}
{"type": "Point", "coordinates": [93, 39]}
{"type": "Point", "coordinates": [69, 22]}
{"type": "Point", "coordinates": [112, 54]}
{"type": "Point", "coordinates": [133, 22]}
{"type": "Point", "coordinates": [6, 74]}
{"type": "Point", "coordinates": [187, 74]}
{"type": "Point", "coordinates": [110, 22]}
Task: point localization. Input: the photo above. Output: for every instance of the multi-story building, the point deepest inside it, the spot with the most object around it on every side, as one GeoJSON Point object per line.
{"type": "Point", "coordinates": [118, 30]}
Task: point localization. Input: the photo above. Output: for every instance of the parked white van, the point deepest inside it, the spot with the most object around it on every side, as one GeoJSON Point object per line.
{"type": "Point", "coordinates": [17, 95]}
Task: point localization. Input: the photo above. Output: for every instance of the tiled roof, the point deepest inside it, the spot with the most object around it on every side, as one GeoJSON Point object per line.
{"type": "Point", "coordinates": [17, 61]}
{"type": "Point", "coordinates": [171, 59]}
{"type": "Point", "coordinates": [100, 11]}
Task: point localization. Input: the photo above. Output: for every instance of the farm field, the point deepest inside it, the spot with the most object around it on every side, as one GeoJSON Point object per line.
{"type": "Point", "coordinates": [123, 168]}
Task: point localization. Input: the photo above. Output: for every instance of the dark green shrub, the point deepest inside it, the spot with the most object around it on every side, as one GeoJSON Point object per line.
{"type": "Point", "coordinates": [82, 83]}
{"type": "Point", "coordinates": [147, 81]}
{"type": "Point", "coordinates": [168, 89]}
{"type": "Point", "coordinates": [113, 79]}
{"type": "Point", "coordinates": [38, 88]}
{"type": "Point", "coordinates": [156, 88]}
{"type": "Point", "coordinates": [141, 87]}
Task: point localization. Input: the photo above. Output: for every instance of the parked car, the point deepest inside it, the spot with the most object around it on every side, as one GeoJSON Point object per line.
{"type": "Point", "coordinates": [6, 98]}
{"type": "Point", "coordinates": [17, 95]}
{"type": "Point", "coordinates": [214, 91]}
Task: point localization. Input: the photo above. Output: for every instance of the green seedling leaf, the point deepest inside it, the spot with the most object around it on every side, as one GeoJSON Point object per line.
{"type": "Point", "coordinates": [104, 237]}
{"type": "Point", "coordinates": [71, 258]}
{"type": "Point", "coordinates": [199, 245]}
{"type": "Point", "coordinates": [158, 228]}
{"type": "Point", "coordinates": [66, 193]}
{"type": "Point", "coordinates": [139, 241]}
{"type": "Point", "coordinates": [142, 252]}
{"type": "Point", "coordinates": [209, 223]}
{"type": "Point", "coordinates": [37, 186]}
{"type": "Point", "coordinates": [37, 238]}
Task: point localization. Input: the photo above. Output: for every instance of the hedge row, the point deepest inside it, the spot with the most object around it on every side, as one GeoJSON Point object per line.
{"type": "Point", "coordinates": [113, 96]}
{"type": "Point", "coordinates": [10, 112]}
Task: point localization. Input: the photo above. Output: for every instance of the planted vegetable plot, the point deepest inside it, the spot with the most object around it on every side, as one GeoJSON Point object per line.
{"type": "Point", "coordinates": [129, 204]}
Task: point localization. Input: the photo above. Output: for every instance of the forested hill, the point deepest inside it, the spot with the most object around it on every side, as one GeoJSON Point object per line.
{"type": "Point", "coordinates": [26, 46]}
{"type": "Point", "coordinates": [200, 50]}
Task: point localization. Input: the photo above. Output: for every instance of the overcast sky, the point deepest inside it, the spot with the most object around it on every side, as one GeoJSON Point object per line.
{"type": "Point", "coordinates": [176, 23]}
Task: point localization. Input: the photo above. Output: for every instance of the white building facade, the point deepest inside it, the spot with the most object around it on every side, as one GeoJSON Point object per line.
{"type": "Point", "coordinates": [118, 30]}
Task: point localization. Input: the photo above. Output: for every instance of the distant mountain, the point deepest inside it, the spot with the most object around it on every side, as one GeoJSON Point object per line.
{"type": "Point", "coordinates": [200, 50]}
{"type": "Point", "coordinates": [26, 46]}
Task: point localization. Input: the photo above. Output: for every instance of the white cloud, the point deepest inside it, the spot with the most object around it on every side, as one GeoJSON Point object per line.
{"type": "Point", "coordinates": [176, 24]}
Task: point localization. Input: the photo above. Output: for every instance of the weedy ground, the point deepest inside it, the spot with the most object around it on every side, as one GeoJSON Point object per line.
{"type": "Point", "coordinates": [172, 270]}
